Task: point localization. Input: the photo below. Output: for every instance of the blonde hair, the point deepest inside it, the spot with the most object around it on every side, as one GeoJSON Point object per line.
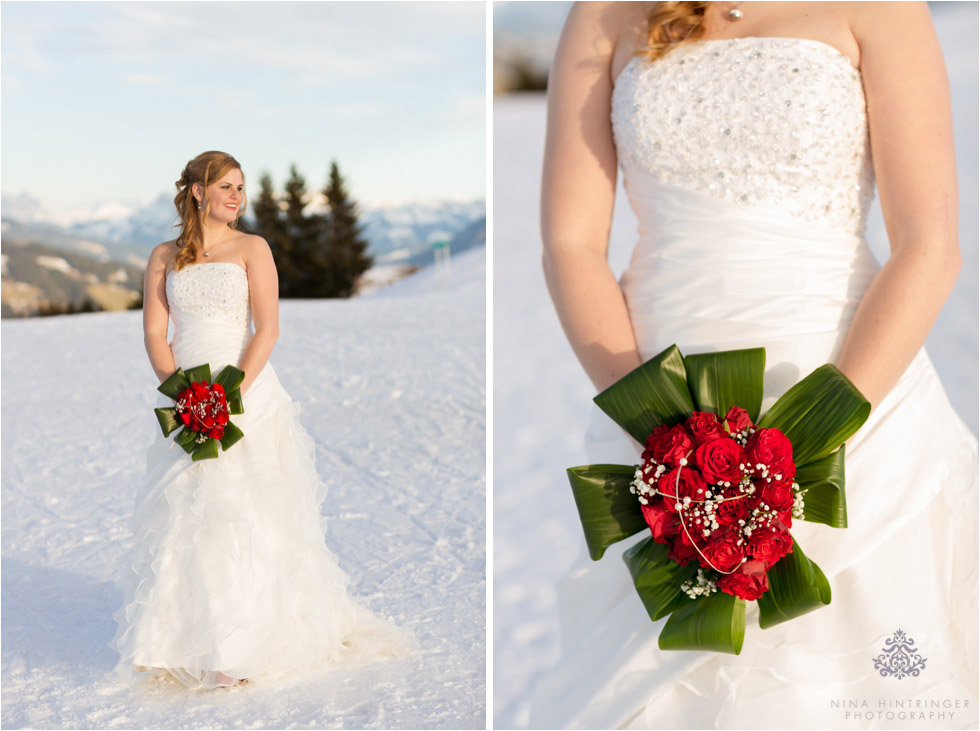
{"type": "Point", "coordinates": [204, 169]}
{"type": "Point", "coordinates": [671, 24]}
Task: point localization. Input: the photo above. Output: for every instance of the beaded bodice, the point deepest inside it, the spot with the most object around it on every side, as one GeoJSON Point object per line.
{"type": "Point", "coordinates": [756, 121]}
{"type": "Point", "coordinates": [216, 291]}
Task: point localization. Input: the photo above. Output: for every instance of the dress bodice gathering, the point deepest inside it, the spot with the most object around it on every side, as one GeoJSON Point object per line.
{"type": "Point", "coordinates": [210, 306]}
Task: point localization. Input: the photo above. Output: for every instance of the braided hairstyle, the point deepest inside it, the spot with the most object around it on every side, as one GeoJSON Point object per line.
{"type": "Point", "coordinates": [204, 169]}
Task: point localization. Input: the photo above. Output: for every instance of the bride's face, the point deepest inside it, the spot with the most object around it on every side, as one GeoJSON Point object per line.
{"type": "Point", "coordinates": [227, 196]}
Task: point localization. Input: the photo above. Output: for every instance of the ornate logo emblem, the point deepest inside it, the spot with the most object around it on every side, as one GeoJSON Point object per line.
{"type": "Point", "coordinates": [899, 657]}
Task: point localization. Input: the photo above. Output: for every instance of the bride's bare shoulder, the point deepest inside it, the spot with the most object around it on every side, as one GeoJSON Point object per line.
{"type": "Point", "coordinates": [255, 251]}
{"type": "Point", "coordinates": [163, 255]}
{"type": "Point", "coordinates": [607, 20]}
{"type": "Point", "coordinates": [598, 35]}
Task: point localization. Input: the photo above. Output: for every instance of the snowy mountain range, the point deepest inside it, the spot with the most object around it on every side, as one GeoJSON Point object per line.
{"type": "Point", "coordinates": [128, 231]}
{"type": "Point", "coordinates": [98, 254]}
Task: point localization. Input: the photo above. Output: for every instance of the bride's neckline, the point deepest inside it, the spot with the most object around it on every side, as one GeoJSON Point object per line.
{"type": "Point", "coordinates": [208, 263]}
{"type": "Point", "coordinates": [831, 51]}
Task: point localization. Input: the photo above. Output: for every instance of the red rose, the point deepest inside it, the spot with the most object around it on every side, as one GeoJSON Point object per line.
{"type": "Point", "coordinates": [669, 444]}
{"type": "Point", "coordinates": [682, 552]}
{"type": "Point", "coordinates": [784, 519]}
{"type": "Point", "coordinates": [778, 494]}
{"type": "Point", "coordinates": [704, 426]}
{"type": "Point", "coordinates": [769, 546]}
{"type": "Point", "coordinates": [691, 485]}
{"type": "Point", "coordinates": [186, 418]}
{"type": "Point", "coordinates": [729, 512]}
{"type": "Point", "coordinates": [749, 582]}
{"type": "Point", "coordinates": [199, 390]}
{"type": "Point", "coordinates": [772, 448]}
{"type": "Point", "coordinates": [737, 419]}
{"type": "Point", "coordinates": [223, 418]}
{"type": "Point", "coordinates": [663, 523]}
{"type": "Point", "coordinates": [218, 388]}
{"type": "Point", "coordinates": [719, 460]}
{"type": "Point", "coordinates": [722, 551]}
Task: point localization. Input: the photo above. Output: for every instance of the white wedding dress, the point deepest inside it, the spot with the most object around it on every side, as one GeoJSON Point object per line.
{"type": "Point", "coordinates": [230, 573]}
{"type": "Point", "coordinates": [747, 162]}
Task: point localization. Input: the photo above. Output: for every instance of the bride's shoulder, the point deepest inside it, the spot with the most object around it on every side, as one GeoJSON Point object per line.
{"type": "Point", "coordinates": [252, 243]}
{"type": "Point", "coordinates": [167, 247]}
{"type": "Point", "coordinates": [607, 20]}
{"type": "Point", "coordinates": [596, 38]}
{"type": "Point", "coordinates": [869, 20]}
{"type": "Point", "coordinates": [164, 254]}
{"type": "Point", "coordinates": [254, 249]}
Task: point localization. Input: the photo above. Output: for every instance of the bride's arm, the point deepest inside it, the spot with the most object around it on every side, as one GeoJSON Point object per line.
{"type": "Point", "coordinates": [912, 145]}
{"type": "Point", "coordinates": [156, 314]}
{"type": "Point", "coordinates": [263, 286]}
{"type": "Point", "coordinates": [577, 195]}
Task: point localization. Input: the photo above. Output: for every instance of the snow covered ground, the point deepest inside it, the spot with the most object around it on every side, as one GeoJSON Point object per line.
{"type": "Point", "coordinates": [392, 387]}
{"type": "Point", "coordinates": [541, 397]}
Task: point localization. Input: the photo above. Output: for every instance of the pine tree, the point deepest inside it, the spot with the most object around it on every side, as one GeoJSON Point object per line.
{"type": "Point", "coordinates": [270, 224]}
{"type": "Point", "coordinates": [345, 246]}
{"type": "Point", "coordinates": [305, 234]}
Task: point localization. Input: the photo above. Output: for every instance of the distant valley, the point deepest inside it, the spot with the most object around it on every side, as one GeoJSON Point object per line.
{"type": "Point", "coordinates": [96, 258]}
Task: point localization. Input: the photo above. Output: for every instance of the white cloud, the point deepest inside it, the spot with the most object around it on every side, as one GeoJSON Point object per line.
{"type": "Point", "coordinates": [314, 43]}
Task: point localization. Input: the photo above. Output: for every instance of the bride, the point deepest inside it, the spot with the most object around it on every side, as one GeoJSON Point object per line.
{"type": "Point", "coordinates": [229, 577]}
{"type": "Point", "coordinates": [750, 136]}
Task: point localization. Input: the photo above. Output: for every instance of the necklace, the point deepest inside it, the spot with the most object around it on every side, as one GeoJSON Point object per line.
{"type": "Point", "coordinates": [735, 13]}
{"type": "Point", "coordinates": [208, 253]}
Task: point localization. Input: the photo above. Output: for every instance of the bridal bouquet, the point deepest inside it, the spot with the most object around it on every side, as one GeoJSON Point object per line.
{"type": "Point", "coordinates": [202, 408]}
{"type": "Point", "coordinates": [718, 488]}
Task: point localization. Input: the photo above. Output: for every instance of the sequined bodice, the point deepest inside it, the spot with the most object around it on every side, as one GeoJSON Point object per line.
{"type": "Point", "coordinates": [756, 121]}
{"type": "Point", "coordinates": [217, 291]}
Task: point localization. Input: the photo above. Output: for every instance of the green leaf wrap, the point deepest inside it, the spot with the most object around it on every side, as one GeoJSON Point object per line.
{"type": "Point", "coordinates": [824, 482]}
{"type": "Point", "coordinates": [657, 578]}
{"type": "Point", "coordinates": [199, 373]}
{"type": "Point", "coordinates": [232, 434]}
{"type": "Point", "coordinates": [818, 414]}
{"type": "Point", "coordinates": [796, 586]}
{"type": "Point", "coordinates": [650, 395]}
{"type": "Point", "coordinates": [713, 622]}
{"type": "Point", "coordinates": [168, 419]}
{"type": "Point", "coordinates": [175, 383]}
{"type": "Point", "coordinates": [230, 378]}
{"type": "Point", "coordinates": [207, 450]}
{"type": "Point", "coordinates": [608, 510]}
{"type": "Point", "coordinates": [186, 439]}
{"type": "Point", "coordinates": [728, 378]}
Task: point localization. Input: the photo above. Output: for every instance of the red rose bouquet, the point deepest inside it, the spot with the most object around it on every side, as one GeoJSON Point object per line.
{"type": "Point", "coordinates": [720, 492]}
{"type": "Point", "coordinates": [203, 409]}
{"type": "Point", "coordinates": [718, 488]}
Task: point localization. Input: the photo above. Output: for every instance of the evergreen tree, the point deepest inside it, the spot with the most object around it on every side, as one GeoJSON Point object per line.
{"type": "Point", "coordinates": [316, 255]}
{"type": "Point", "coordinates": [270, 224]}
{"type": "Point", "coordinates": [346, 248]}
{"type": "Point", "coordinates": [304, 234]}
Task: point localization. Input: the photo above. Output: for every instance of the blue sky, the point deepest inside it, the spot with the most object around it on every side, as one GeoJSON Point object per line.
{"type": "Point", "coordinates": [106, 101]}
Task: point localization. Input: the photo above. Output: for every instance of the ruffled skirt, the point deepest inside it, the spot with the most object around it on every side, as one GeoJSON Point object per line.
{"type": "Point", "coordinates": [230, 573]}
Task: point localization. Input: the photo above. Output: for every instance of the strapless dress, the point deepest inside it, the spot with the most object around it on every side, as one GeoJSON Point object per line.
{"type": "Point", "coordinates": [748, 164]}
{"type": "Point", "coordinates": [230, 572]}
